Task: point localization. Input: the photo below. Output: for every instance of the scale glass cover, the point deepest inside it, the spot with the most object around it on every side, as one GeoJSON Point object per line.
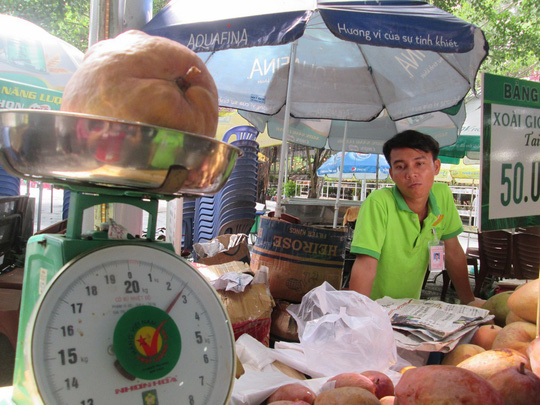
{"type": "Point", "coordinates": [129, 324]}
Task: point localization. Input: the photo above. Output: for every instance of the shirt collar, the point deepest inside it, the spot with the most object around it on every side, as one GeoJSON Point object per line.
{"type": "Point", "coordinates": [402, 205]}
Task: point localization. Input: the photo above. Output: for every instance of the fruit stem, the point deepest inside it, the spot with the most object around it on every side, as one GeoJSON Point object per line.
{"type": "Point", "coordinates": [522, 368]}
{"type": "Point", "coordinates": [184, 83]}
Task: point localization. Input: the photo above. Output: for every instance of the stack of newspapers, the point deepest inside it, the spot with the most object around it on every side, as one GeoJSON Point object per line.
{"type": "Point", "coordinates": [427, 325]}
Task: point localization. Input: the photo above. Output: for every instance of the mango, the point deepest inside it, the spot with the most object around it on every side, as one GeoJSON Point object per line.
{"type": "Point", "coordinates": [498, 305]}
{"type": "Point", "coordinates": [438, 384]}
{"type": "Point", "coordinates": [524, 301]}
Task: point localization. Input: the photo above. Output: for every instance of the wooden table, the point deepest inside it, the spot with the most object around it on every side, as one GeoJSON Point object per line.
{"type": "Point", "coordinates": [12, 279]}
{"type": "Point", "coordinates": [10, 302]}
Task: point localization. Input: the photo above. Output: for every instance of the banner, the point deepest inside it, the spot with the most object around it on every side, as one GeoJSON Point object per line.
{"type": "Point", "coordinates": [510, 190]}
{"type": "Point", "coordinates": [19, 95]}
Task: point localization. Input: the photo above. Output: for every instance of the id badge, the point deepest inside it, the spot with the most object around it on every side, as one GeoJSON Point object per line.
{"type": "Point", "coordinates": [436, 254]}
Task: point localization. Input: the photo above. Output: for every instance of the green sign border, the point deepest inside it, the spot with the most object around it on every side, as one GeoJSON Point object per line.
{"type": "Point", "coordinates": [494, 93]}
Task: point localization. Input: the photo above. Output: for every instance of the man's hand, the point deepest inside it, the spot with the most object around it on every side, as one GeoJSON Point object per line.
{"type": "Point", "coordinates": [477, 302]}
{"type": "Point", "coordinates": [456, 265]}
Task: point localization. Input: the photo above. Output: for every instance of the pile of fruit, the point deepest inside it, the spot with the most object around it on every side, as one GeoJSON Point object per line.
{"type": "Point", "coordinates": [500, 365]}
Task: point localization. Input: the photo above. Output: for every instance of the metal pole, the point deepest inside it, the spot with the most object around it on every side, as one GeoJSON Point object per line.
{"type": "Point", "coordinates": [285, 137]}
{"type": "Point", "coordinates": [377, 174]}
{"type": "Point", "coordinates": [336, 208]}
{"type": "Point", "coordinates": [40, 205]}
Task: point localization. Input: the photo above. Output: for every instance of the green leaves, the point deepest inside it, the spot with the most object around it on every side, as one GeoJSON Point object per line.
{"type": "Point", "coordinates": [68, 19]}
{"type": "Point", "coordinates": [511, 28]}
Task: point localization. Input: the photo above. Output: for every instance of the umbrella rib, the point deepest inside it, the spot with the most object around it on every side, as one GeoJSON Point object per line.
{"type": "Point", "coordinates": [370, 69]}
{"type": "Point", "coordinates": [471, 85]}
{"type": "Point", "coordinates": [209, 57]}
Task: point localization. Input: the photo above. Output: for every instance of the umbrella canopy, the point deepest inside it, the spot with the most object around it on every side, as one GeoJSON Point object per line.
{"type": "Point", "coordinates": [352, 59]}
{"type": "Point", "coordinates": [460, 172]}
{"type": "Point", "coordinates": [369, 136]}
{"type": "Point", "coordinates": [30, 55]}
{"type": "Point", "coordinates": [230, 119]}
{"type": "Point", "coordinates": [463, 171]}
{"type": "Point", "coordinates": [468, 141]}
{"type": "Point", "coordinates": [355, 165]}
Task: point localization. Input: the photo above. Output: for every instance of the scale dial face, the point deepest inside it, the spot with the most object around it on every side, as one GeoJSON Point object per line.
{"type": "Point", "coordinates": [131, 324]}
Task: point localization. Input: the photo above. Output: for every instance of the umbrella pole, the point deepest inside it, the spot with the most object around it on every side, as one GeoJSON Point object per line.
{"type": "Point", "coordinates": [336, 208]}
{"type": "Point", "coordinates": [377, 174]}
{"type": "Point", "coordinates": [284, 138]}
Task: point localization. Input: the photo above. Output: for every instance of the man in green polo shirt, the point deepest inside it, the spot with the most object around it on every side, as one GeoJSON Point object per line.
{"type": "Point", "coordinates": [399, 229]}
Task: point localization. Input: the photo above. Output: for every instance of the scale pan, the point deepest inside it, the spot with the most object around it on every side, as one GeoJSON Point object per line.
{"type": "Point", "coordinates": [80, 150]}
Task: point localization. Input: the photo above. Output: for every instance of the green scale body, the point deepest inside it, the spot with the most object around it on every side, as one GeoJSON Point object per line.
{"type": "Point", "coordinates": [46, 254]}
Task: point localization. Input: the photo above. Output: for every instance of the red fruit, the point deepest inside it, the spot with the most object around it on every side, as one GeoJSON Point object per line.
{"type": "Point", "coordinates": [383, 384]}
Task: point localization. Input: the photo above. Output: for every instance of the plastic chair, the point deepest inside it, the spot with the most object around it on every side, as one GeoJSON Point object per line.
{"type": "Point", "coordinates": [188, 216]}
{"type": "Point", "coordinates": [9, 185]}
{"type": "Point", "coordinates": [241, 132]}
{"type": "Point", "coordinates": [526, 255]}
{"type": "Point", "coordinates": [237, 226]}
{"type": "Point", "coordinates": [495, 250]}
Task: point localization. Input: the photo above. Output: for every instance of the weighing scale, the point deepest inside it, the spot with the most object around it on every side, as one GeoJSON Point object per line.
{"type": "Point", "coordinates": [116, 321]}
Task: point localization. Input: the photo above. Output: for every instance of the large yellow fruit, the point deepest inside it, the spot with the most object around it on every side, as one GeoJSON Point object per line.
{"type": "Point", "coordinates": [346, 395]}
{"type": "Point", "coordinates": [460, 353]}
{"type": "Point", "coordinates": [516, 335]}
{"type": "Point", "coordinates": [533, 351]}
{"type": "Point", "coordinates": [524, 301]}
{"type": "Point", "coordinates": [138, 77]}
{"type": "Point", "coordinates": [511, 317]}
{"type": "Point", "coordinates": [485, 335]}
{"type": "Point", "coordinates": [489, 362]}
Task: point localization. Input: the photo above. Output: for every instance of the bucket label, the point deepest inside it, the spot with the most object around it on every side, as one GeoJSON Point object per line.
{"type": "Point", "coordinates": [301, 241]}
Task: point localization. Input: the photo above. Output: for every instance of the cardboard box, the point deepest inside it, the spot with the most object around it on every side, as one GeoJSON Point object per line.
{"type": "Point", "coordinates": [250, 311]}
{"type": "Point", "coordinates": [212, 272]}
{"type": "Point", "coordinates": [236, 249]}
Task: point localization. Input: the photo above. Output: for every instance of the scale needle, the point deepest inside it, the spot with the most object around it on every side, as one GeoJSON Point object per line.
{"type": "Point", "coordinates": [172, 304]}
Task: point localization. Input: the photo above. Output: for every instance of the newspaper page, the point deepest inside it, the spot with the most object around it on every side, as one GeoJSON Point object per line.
{"type": "Point", "coordinates": [431, 325]}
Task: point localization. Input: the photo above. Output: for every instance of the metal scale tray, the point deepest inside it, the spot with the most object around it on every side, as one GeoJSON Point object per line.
{"type": "Point", "coordinates": [79, 150]}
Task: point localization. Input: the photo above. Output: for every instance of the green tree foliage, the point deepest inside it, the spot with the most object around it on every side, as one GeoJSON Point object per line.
{"type": "Point", "coordinates": [512, 28]}
{"type": "Point", "coordinates": [67, 19]}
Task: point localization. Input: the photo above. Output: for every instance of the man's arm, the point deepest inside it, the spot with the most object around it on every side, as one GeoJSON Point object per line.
{"type": "Point", "coordinates": [363, 274]}
{"type": "Point", "coordinates": [456, 265]}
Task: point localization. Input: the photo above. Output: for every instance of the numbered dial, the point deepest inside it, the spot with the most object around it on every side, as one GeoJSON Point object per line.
{"type": "Point", "coordinates": [130, 324]}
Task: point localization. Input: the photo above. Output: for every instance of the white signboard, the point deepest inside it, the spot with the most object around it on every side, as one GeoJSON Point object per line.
{"type": "Point", "coordinates": [511, 153]}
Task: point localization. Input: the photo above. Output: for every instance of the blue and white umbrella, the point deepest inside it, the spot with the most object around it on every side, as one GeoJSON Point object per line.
{"type": "Point", "coordinates": [353, 60]}
{"type": "Point", "coordinates": [354, 165]}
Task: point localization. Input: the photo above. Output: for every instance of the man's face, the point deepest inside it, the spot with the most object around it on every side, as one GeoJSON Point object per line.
{"type": "Point", "coordinates": [413, 171]}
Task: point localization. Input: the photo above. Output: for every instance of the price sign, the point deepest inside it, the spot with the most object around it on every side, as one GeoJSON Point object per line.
{"type": "Point", "coordinates": [511, 153]}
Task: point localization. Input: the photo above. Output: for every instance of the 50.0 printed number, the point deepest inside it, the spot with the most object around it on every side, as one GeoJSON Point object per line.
{"type": "Point", "coordinates": [512, 178]}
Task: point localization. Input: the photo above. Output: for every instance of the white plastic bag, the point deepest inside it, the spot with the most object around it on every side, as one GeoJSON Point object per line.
{"type": "Point", "coordinates": [341, 331]}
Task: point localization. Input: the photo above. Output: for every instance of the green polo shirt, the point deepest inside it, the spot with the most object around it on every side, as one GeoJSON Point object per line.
{"type": "Point", "coordinates": [389, 231]}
